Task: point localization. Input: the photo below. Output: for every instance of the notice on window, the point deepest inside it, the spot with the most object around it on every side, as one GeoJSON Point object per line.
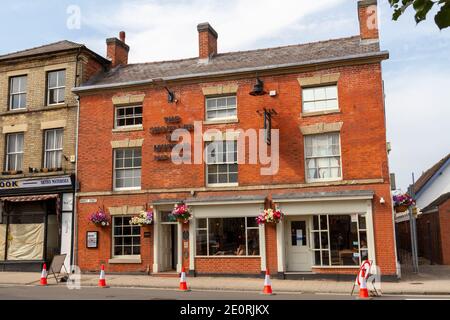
{"type": "Point", "coordinates": [299, 236]}
{"type": "Point", "coordinates": [354, 217]}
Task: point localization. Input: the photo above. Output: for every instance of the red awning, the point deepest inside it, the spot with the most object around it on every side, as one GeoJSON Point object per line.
{"type": "Point", "coordinates": [41, 197]}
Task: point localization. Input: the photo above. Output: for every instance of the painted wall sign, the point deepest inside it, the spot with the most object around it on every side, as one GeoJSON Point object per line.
{"type": "Point", "coordinates": [35, 183]}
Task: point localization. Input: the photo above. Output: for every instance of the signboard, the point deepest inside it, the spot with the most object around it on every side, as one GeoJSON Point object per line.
{"type": "Point", "coordinates": [67, 202]}
{"type": "Point", "coordinates": [92, 239]}
{"type": "Point", "coordinates": [35, 183]}
{"type": "Point", "coordinates": [88, 200]}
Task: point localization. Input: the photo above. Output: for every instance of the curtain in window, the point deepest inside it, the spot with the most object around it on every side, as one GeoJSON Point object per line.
{"type": "Point", "coordinates": [53, 148]}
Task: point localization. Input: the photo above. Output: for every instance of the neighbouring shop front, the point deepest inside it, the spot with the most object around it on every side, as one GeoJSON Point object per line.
{"type": "Point", "coordinates": [35, 221]}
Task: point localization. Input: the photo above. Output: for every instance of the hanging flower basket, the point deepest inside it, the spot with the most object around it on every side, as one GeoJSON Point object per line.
{"type": "Point", "coordinates": [99, 218]}
{"type": "Point", "coordinates": [144, 218]}
{"type": "Point", "coordinates": [402, 202]}
{"type": "Point", "coordinates": [181, 212]}
{"type": "Point", "coordinates": [270, 216]}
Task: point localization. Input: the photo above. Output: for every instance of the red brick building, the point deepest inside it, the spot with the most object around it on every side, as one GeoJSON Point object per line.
{"type": "Point", "coordinates": [333, 167]}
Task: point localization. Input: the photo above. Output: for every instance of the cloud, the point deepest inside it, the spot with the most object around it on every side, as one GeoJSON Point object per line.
{"type": "Point", "coordinates": [160, 30]}
{"type": "Point", "coordinates": [417, 120]}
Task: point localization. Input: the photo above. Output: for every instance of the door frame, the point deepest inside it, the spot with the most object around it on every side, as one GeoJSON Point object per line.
{"type": "Point", "coordinates": [287, 239]}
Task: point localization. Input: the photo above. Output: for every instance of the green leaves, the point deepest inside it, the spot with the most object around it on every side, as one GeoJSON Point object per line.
{"type": "Point", "coordinates": [422, 9]}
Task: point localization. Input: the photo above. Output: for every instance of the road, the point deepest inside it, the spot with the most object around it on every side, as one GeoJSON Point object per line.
{"type": "Point", "coordinates": [61, 292]}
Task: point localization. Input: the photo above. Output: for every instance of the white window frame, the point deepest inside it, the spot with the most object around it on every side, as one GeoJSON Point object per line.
{"type": "Point", "coordinates": [131, 168]}
{"type": "Point", "coordinates": [15, 152]}
{"type": "Point", "coordinates": [227, 256]}
{"type": "Point", "coordinates": [225, 184]}
{"type": "Point", "coordinates": [113, 236]}
{"type": "Point", "coordinates": [320, 230]}
{"type": "Point", "coordinates": [211, 98]}
{"type": "Point", "coordinates": [309, 180]}
{"type": "Point", "coordinates": [53, 150]}
{"type": "Point", "coordinates": [56, 88]}
{"type": "Point", "coordinates": [134, 117]}
{"type": "Point", "coordinates": [20, 93]}
{"type": "Point", "coordinates": [320, 100]}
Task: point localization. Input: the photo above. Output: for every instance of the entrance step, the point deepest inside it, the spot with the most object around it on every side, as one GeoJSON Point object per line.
{"type": "Point", "coordinates": [168, 274]}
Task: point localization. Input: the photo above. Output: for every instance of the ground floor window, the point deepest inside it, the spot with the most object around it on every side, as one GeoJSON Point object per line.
{"type": "Point", "coordinates": [227, 236]}
{"type": "Point", "coordinates": [126, 238]}
{"type": "Point", "coordinates": [339, 240]}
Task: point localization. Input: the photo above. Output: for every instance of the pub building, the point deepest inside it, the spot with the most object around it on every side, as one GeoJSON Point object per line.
{"type": "Point", "coordinates": [332, 182]}
{"type": "Point", "coordinates": [38, 121]}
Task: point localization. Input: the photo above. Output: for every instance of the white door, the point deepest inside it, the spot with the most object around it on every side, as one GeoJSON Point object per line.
{"type": "Point", "coordinates": [166, 247]}
{"type": "Point", "coordinates": [298, 252]}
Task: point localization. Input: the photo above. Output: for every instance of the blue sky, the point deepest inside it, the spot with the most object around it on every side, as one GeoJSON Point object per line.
{"type": "Point", "coordinates": [417, 80]}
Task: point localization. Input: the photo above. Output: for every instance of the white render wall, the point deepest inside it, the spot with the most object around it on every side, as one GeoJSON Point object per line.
{"type": "Point", "coordinates": [437, 187]}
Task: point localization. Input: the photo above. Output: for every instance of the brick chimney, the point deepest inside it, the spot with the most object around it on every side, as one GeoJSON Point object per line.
{"type": "Point", "coordinates": [368, 19]}
{"type": "Point", "coordinates": [117, 50]}
{"type": "Point", "coordinates": [207, 39]}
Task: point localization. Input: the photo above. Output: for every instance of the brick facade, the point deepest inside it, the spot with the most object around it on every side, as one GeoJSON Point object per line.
{"type": "Point", "coordinates": [444, 224]}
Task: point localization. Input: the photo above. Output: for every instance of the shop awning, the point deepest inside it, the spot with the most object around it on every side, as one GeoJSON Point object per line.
{"type": "Point", "coordinates": [40, 197]}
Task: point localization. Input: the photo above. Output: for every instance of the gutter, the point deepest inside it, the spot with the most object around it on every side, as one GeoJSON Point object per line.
{"type": "Point", "coordinates": [381, 54]}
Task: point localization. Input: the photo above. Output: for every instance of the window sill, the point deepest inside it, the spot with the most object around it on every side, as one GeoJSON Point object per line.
{"type": "Point", "coordinates": [125, 261]}
{"type": "Point", "coordinates": [319, 181]}
{"type": "Point", "coordinates": [128, 129]}
{"type": "Point", "coordinates": [126, 189]}
{"type": "Point", "coordinates": [56, 104]}
{"type": "Point", "coordinates": [221, 121]}
{"type": "Point", "coordinates": [226, 257]}
{"type": "Point", "coordinates": [319, 113]}
{"type": "Point", "coordinates": [222, 185]}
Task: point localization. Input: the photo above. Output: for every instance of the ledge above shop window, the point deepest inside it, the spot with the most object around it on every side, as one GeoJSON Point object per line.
{"type": "Point", "coordinates": [219, 90]}
{"type": "Point", "coordinates": [127, 143]}
{"type": "Point", "coordinates": [319, 128]}
{"type": "Point", "coordinates": [319, 80]}
{"type": "Point", "coordinates": [128, 99]}
{"type": "Point", "coordinates": [125, 210]}
{"type": "Point", "coordinates": [15, 128]}
{"type": "Point", "coordinates": [136, 260]}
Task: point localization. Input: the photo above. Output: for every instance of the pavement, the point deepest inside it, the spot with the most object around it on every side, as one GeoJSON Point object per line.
{"type": "Point", "coordinates": [432, 280]}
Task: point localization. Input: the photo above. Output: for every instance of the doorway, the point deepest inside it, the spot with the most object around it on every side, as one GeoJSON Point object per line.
{"type": "Point", "coordinates": [169, 247]}
{"type": "Point", "coordinates": [297, 244]}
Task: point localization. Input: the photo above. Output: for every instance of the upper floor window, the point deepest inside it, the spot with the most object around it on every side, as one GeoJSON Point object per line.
{"type": "Point", "coordinates": [18, 93]}
{"type": "Point", "coordinates": [56, 87]}
{"type": "Point", "coordinates": [320, 99]}
{"type": "Point", "coordinates": [323, 157]}
{"type": "Point", "coordinates": [221, 162]}
{"type": "Point", "coordinates": [53, 148]}
{"type": "Point", "coordinates": [128, 116]}
{"type": "Point", "coordinates": [14, 152]}
{"type": "Point", "coordinates": [221, 108]}
{"type": "Point", "coordinates": [127, 168]}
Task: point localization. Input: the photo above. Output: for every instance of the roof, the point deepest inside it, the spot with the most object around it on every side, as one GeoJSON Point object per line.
{"type": "Point", "coordinates": [436, 203]}
{"type": "Point", "coordinates": [59, 46]}
{"type": "Point", "coordinates": [241, 61]}
{"type": "Point", "coordinates": [427, 175]}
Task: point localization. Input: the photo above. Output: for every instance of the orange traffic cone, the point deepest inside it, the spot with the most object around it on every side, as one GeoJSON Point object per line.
{"type": "Point", "coordinates": [267, 284]}
{"type": "Point", "coordinates": [102, 280]}
{"type": "Point", "coordinates": [44, 275]}
{"type": "Point", "coordinates": [183, 284]}
{"type": "Point", "coordinates": [363, 292]}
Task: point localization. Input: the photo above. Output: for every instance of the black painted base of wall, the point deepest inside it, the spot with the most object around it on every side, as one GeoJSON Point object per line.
{"type": "Point", "coordinates": [22, 266]}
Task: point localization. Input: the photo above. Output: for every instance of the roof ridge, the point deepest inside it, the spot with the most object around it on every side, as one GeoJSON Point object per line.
{"type": "Point", "coordinates": [41, 46]}
{"type": "Point", "coordinates": [246, 51]}
{"type": "Point", "coordinates": [429, 173]}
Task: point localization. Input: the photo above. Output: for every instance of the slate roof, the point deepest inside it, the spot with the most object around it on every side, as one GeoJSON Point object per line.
{"type": "Point", "coordinates": [427, 175]}
{"type": "Point", "coordinates": [242, 60]}
{"type": "Point", "coordinates": [55, 47]}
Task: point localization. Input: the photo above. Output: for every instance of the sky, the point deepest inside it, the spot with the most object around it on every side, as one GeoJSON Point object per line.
{"type": "Point", "coordinates": [417, 75]}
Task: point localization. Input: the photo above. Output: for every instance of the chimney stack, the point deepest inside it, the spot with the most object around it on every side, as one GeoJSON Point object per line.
{"type": "Point", "coordinates": [117, 50]}
{"type": "Point", "coordinates": [207, 38]}
{"type": "Point", "coordinates": [368, 20]}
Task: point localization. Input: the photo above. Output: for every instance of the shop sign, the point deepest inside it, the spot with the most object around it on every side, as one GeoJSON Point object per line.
{"type": "Point", "coordinates": [35, 183]}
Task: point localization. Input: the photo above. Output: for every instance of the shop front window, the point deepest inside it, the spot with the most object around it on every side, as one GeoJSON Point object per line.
{"type": "Point", "coordinates": [126, 238]}
{"type": "Point", "coordinates": [339, 240]}
{"type": "Point", "coordinates": [227, 237]}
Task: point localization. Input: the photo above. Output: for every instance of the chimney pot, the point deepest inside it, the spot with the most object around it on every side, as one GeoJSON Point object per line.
{"type": "Point", "coordinates": [117, 50]}
{"type": "Point", "coordinates": [122, 36]}
{"type": "Point", "coordinates": [207, 38]}
{"type": "Point", "coordinates": [368, 19]}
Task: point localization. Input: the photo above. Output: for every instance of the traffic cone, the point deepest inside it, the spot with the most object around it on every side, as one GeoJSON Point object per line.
{"type": "Point", "coordinates": [363, 292]}
{"type": "Point", "coordinates": [183, 284]}
{"type": "Point", "coordinates": [44, 275]}
{"type": "Point", "coordinates": [267, 284]}
{"type": "Point", "coordinates": [102, 280]}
